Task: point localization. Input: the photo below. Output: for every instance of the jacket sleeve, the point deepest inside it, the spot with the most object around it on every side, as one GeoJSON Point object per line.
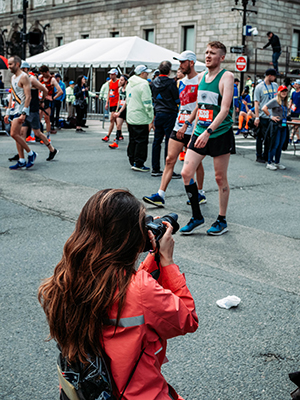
{"type": "Point", "coordinates": [168, 305]}
{"type": "Point", "coordinates": [175, 93]}
{"type": "Point", "coordinates": [147, 100]}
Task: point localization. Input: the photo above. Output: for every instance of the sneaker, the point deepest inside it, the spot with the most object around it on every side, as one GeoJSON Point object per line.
{"type": "Point", "coordinates": [80, 130]}
{"type": "Point", "coordinates": [52, 154]}
{"type": "Point", "coordinates": [244, 130]}
{"type": "Point", "coordinates": [31, 160]}
{"type": "Point", "coordinates": [114, 145]}
{"type": "Point", "coordinates": [105, 139]}
{"type": "Point", "coordinates": [201, 199]}
{"type": "Point", "coordinates": [53, 131]}
{"type": "Point", "coordinates": [296, 141]}
{"type": "Point", "coordinates": [14, 158]}
{"type": "Point", "coordinates": [260, 160]}
{"type": "Point", "coordinates": [280, 166]}
{"type": "Point", "coordinates": [30, 139]}
{"type": "Point", "coordinates": [18, 165]}
{"type": "Point", "coordinates": [191, 226]}
{"type": "Point", "coordinates": [156, 173]}
{"type": "Point", "coordinates": [155, 200]}
{"type": "Point", "coordinates": [141, 169]}
{"type": "Point", "coordinates": [238, 132]}
{"type": "Point", "coordinates": [176, 176]}
{"type": "Point", "coordinates": [271, 167]}
{"type": "Point", "coordinates": [121, 137]}
{"type": "Point", "coordinates": [218, 228]}
{"type": "Point", "coordinates": [181, 156]}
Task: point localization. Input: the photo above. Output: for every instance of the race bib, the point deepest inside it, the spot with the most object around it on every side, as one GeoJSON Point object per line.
{"type": "Point", "coordinates": [205, 117]}
{"type": "Point", "coordinates": [122, 102]}
{"type": "Point", "coordinates": [111, 93]}
{"type": "Point", "coordinates": [293, 108]}
{"type": "Point", "coordinates": [182, 117]}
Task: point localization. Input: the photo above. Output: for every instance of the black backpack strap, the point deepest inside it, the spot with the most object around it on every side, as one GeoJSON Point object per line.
{"type": "Point", "coordinates": [131, 375]}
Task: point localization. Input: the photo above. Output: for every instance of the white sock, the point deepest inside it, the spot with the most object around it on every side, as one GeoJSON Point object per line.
{"type": "Point", "coordinates": [32, 134]}
{"type": "Point", "coordinates": [201, 191]}
{"type": "Point", "coordinates": [161, 193]}
{"type": "Point", "coordinates": [30, 153]}
{"type": "Point", "coordinates": [22, 160]}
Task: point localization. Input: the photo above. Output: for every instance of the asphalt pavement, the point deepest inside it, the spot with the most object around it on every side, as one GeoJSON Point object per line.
{"type": "Point", "coordinates": [243, 353]}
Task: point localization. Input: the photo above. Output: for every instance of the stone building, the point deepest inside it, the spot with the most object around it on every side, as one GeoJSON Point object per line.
{"type": "Point", "coordinates": [174, 24]}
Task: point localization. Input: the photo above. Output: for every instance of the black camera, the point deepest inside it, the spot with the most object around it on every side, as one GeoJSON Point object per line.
{"type": "Point", "coordinates": [158, 229]}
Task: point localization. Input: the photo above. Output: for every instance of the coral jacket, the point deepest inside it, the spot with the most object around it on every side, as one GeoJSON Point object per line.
{"type": "Point", "coordinates": [154, 311]}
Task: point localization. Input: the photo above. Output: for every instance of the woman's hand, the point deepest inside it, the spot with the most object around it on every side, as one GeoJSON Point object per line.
{"type": "Point", "coordinates": [275, 119]}
{"type": "Point", "coordinates": [166, 248]}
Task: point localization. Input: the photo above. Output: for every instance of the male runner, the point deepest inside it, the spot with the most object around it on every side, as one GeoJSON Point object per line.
{"type": "Point", "coordinates": [213, 135]}
{"type": "Point", "coordinates": [33, 120]}
{"type": "Point", "coordinates": [121, 114]}
{"type": "Point", "coordinates": [112, 100]}
{"type": "Point", "coordinates": [183, 128]}
{"type": "Point", "coordinates": [20, 90]}
{"type": "Point", "coordinates": [50, 83]}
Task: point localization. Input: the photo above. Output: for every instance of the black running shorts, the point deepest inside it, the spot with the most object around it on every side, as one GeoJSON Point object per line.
{"type": "Point", "coordinates": [215, 147]}
{"type": "Point", "coordinates": [184, 140]}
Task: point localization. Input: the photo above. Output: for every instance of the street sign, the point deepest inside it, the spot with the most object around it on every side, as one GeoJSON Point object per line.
{"type": "Point", "coordinates": [237, 50]}
{"type": "Point", "coordinates": [241, 63]}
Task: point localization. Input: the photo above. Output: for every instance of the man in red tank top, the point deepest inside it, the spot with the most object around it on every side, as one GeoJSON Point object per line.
{"type": "Point", "coordinates": [112, 100]}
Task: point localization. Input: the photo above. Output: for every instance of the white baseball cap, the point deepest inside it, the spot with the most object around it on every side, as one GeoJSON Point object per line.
{"type": "Point", "coordinates": [113, 71]}
{"type": "Point", "coordinates": [141, 68]}
{"type": "Point", "coordinates": [297, 81]}
{"type": "Point", "coordinates": [186, 55]}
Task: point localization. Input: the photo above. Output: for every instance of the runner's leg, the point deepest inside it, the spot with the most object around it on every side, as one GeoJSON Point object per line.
{"type": "Point", "coordinates": [221, 166]}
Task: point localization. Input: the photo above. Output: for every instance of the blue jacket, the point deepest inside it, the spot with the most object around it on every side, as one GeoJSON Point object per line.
{"type": "Point", "coordinates": [236, 96]}
{"type": "Point", "coordinates": [63, 88]}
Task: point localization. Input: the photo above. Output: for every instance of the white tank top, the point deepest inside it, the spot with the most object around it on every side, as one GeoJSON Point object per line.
{"type": "Point", "coordinates": [18, 94]}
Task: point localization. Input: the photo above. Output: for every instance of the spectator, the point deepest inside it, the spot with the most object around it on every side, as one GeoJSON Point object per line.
{"type": "Point", "coordinates": [250, 85]}
{"type": "Point", "coordinates": [295, 109]}
{"type": "Point", "coordinates": [165, 95]}
{"type": "Point", "coordinates": [103, 96]}
{"type": "Point", "coordinates": [275, 43]}
{"type": "Point", "coordinates": [70, 98]}
{"type": "Point", "coordinates": [1, 89]}
{"type": "Point", "coordinates": [236, 96]}
{"type": "Point", "coordinates": [58, 101]}
{"type": "Point", "coordinates": [139, 116]}
{"type": "Point", "coordinates": [245, 102]}
{"type": "Point", "coordinates": [80, 93]}
{"type": "Point", "coordinates": [264, 91]}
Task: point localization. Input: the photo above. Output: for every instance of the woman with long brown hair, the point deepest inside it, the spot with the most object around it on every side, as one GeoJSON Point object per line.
{"type": "Point", "coordinates": [97, 303]}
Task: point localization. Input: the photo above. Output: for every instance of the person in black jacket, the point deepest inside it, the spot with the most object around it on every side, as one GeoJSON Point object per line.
{"type": "Point", "coordinates": [80, 93]}
{"type": "Point", "coordinates": [165, 96]}
{"type": "Point", "coordinates": [275, 43]}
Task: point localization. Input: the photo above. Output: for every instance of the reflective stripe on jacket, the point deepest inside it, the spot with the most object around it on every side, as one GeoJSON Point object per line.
{"type": "Point", "coordinates": [154, 311]}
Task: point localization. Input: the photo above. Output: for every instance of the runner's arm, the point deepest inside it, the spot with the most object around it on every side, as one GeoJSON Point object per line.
{"type": "Point", "coordinates": [122, 109]}
{"type": "Point", "coordinates": [57, 87]}
{"type": "Point", "coordinates": [27, 90]}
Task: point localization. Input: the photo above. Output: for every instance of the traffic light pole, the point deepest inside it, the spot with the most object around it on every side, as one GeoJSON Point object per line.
{"type": "Point", "coordinates": [24, 31]}
{"type": "Point", "coordinates": [243, 40]}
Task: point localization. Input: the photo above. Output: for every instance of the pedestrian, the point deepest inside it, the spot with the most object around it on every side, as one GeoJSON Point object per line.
{"type": "Point", "coordinates": [139, 115]}
{"type": "Point", "coordinates": [278, 129]}
{"type": "Point", "coordinates": [264, 92]}
{"type": "Point", "coordinates": [97, 304]}
{"type": "Point", "coordinates": [70, 98]}
{"type": "Point", "coordinates": [213, 136]}
{"type": "Point", "coordinates": [236, 97]}
{"type": "Point", "coordinates": [1, 90]}
{"type": "Point", "coordinates": [182, 130]}
{"type": "Point", "coordinates": [58, 101]}
{"type": "Point", "coordinates": [165, 96]}
{"type": "Point", "coordinates": [80, 93]}
{"type": "Point", "coordinates": [103, 96]}
{"type": "Point", "coordinates": [20, 90]}
{"type": "Point", "coordinates": [245, 103]}
{"type": "Point", "coordinates": [276, 47]}
{"type": "Point", "coordinates": [112, 100]}
{"type": "Point", "coordinates": [295, 109]}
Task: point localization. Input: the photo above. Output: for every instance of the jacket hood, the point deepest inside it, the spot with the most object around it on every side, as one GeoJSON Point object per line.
{"type": "Point", "coordinates": [162, 82]}
{"type": "Point", "coordinates": [137, 80]}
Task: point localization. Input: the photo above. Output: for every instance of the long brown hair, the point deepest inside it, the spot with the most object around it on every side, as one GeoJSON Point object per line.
{"type": "Point", "coordinates": [94, 273]}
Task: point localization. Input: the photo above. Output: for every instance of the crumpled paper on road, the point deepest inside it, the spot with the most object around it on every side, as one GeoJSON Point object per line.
{"type": "Point", "coordinates": [228, 302]}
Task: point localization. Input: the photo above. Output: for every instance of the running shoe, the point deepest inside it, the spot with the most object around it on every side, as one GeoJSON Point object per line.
{"type": "Point", "coordinates": [105, 139]}
{"type": "Point", "coordinates": [218, 228]}
{"type": "Point", "coordinates": [244, 130]}
{"type": "Point", "coordinates": [143, 168]}
{"type": "Point", "coordinates": [271, 167]}
{"type": "Point", "coordinates": [80, 130]}
{"type": "Point", "coordinates": [30, 139]}
{"type": "Point", "coordinates": [14, 158]}
{"type": "Point", "coordinates": [156, 173]}
{"type": "Point", "coordinates": [201, 199]}
{"type": "Point", "coordinates": [121, 137]}
{"type": "Point", "coordinates": [31, 160]}
{"type": "Point", "coordinates": [114, 145]}
{"type": "Point", "coordinates": [18, 165]}
{"type": "Point", "coordinates": [176, 176]}
{"type": "Point", "coordinates": [52, 154]}
{"type": "Point", "coordinates": [155, 200]}
{"type": "Point", "coordinates": [280, 166]}
{"type": "Point", "coordinates": [238, 132]}
{"type": "Point", "coordinates": [191, 226]}
{"type": "Point", "coordinates": [181, 156]}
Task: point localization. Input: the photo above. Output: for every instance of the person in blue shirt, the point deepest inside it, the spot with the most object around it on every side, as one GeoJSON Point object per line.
{"type": "Point", "coordinates": [236, 96]}
{"type": "Point", "coordinates": [58, 102]}
{"type": "Point", "coordinates": [295, 109]}
{"type": "Point", "coordinates": [245, 105]}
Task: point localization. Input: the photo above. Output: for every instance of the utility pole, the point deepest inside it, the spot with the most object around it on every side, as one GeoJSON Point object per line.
{"type": "Point", "coordinates": [24, 34]}
{"type": "Point", "coordinates": [243, 11]}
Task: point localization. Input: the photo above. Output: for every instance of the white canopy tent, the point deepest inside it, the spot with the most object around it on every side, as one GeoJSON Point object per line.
{"type": "Point", "coordinates": [124, 52]}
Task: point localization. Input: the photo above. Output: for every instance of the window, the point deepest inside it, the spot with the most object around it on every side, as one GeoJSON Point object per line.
{"type": "Point", "coordinates": [59, 41]}
{"type": "Point", "coordinates": [85, 36]}
{"type": "Point", "coordinates": [114, 34]}
{"type": "Point", "coordinates": [295, 52]}
{"type": "Point", "coordinates": [149, 35]}
{"type": "Point", "coordinates": [188, 36]}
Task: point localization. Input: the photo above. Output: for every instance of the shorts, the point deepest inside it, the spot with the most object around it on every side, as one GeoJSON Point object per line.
{"type": "Point", "coordinates": [113, 108]}
{"type": "Point", "coordinates": [216, 147]}
{"type": "Point", "coordinates": [13, 116]}
{"type": "Point", "coordinates": [48, 104]}
{"type": "Point", "coordinates": [294, 114]}
{"type": "Point", "coordinates": [123, 114]}
{"type": "Point", "coordinates": [184, 140]}
{"type": "Point", "coordinates": [33, 120]}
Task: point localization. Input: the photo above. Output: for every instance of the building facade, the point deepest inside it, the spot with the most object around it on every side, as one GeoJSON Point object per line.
{"type": "Point", "coordinates": [174, 24]}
